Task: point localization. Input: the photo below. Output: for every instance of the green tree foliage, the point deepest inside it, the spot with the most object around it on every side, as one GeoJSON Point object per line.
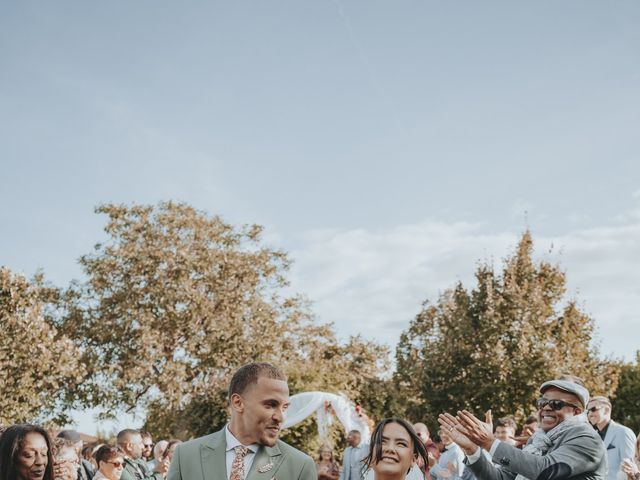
{"type": "Point", "coordinates": [39, 366]}
{"type": "Point", "coordinates": [493, 345]}
{"type": "Point", "coordinates": [626, 404]}
{"type": "Point", "coordinates": [176, 300]}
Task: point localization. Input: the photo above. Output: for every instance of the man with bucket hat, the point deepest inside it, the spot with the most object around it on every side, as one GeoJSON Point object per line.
{"type": "Point", "coordinates": [564, 446]}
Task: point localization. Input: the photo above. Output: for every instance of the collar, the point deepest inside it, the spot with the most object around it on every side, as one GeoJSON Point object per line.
{"type": "Point", "coordinates": [233, 442]}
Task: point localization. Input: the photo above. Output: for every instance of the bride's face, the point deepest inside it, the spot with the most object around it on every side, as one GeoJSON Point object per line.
{"type": "Point", "coordinates": [397, 452]}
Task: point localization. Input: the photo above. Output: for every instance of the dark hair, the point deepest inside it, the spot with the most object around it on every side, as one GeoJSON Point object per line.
{"type": "Point", "coordinates": [11, 442]}
{"type": "Point", "coordinates": [375, 448]}
{"type": "Point", "coordinates": [145, 434]}
{"type": "Point", "coordinates": [531, 419]}
{"type": "Point", "coordinates": [249, 374]}
{"type": "Point", "coordinates": [507, 422]}
{"type": "Point", "coordinates": [123, 435]}
{"type": "Point", "coordinates": [106, 453]}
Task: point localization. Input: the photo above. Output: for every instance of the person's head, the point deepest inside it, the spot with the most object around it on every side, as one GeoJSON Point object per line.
{"type": "Point", "coordinates": [171, 447]}
{"type": "Point", "coordinates": [560, 401]}
{"type": "Point", "coordinates": [73, 437]}
{"type": "Point", "coordinates": [147, 445]}
{"type": "Point", "coordinates": [599, 411]}
{"type": "Point", "coordinates": [394, 448]}
{"type": "Point", "coordinates": [530, 425]}
{"type": "Point", "coordinates": [24, 453]}
{"type": "Point", "coordinates": [110, 461]}
{"type": "Point", "coordinates": [354, 438]}
{"type": "Point", "coordinates": [422, 431]}
{"type": "Point", "coordinates": [325, 454]}
{"type": "Point", "coordinates": [64, 452]}
{"type": "Point", "coordinates": [258, 396]}
{"type": "Point", "coordinates": [505, 429]}
{"type": "Point", "coordinates": [130, 442]}
{"type": "Point", "coordinates": [159, 449]}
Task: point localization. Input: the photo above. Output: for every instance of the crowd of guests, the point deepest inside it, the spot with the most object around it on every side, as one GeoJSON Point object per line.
{"type": "Point", "coordinates": [571, 436]}
{"type": "Point", "coordinates": [29, 452]}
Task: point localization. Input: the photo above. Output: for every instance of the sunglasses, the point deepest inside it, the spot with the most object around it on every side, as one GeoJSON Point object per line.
{"type": "Point", "coordinates": [593, 409]}
{"type": "Point", "coordinates": [554, 404]}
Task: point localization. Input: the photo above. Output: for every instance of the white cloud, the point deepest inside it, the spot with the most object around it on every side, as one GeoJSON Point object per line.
{"type": "Point", "coordinates": [373, 282]}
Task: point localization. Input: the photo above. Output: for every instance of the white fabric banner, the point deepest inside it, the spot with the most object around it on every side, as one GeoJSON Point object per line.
{"type": "Point", "coordinates": [325, 405]}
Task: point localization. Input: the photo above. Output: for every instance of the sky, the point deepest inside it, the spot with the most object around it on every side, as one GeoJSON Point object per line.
{"type": "Point", "coordinates": [387, 146]}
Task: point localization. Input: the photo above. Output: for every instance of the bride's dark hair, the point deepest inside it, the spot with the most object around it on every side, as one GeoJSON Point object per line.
{"type": "Point", "coordinates": [375, 447]}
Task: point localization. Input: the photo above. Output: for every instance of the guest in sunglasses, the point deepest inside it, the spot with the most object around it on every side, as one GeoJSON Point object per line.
{"type": "Point", "coordinates": [619, 440]}
{"type": "Point", "coordinates": [564, 446]}
{"type": "Point", "coordinates": [110, 463]}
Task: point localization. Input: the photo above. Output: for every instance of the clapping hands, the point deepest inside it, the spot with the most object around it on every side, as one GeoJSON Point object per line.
{"type": "Point", "coordinates": [468, 431]}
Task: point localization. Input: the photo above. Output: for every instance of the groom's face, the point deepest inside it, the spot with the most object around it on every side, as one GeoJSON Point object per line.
{"type": "Point", "coordinates": [263, 407]}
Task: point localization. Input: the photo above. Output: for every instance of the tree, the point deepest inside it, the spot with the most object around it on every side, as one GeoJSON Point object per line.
{"type": "Point", "coordinates": [176, 300]}
{"type": "Point", "coordinates": [39, 366]}
{"type": "Point", "coordinates": [626, 407]}
{"type": "Point", "coordinates": [492, 346]}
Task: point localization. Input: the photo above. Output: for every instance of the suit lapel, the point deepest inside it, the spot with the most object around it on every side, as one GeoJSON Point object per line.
{"type": "Point", "coordinates": [608, 438]}
{"type": "Point", "coordinates": [266, 463]}
{"type": "Point", "coordinates": [213, 458]}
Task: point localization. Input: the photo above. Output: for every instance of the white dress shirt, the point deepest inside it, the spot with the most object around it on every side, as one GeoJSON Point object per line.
{"type": "Point", "coordinates": [232, 443]}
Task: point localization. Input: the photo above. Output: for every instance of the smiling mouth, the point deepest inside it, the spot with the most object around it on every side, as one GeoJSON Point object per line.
{"type": "Point", "coordinates": [389, 459]}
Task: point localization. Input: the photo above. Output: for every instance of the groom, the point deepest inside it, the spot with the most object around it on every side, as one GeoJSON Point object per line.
{"type": "Point", "coordinates": [247, 448]}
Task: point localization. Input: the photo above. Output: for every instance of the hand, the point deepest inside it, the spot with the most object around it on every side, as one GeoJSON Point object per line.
{"type": "Point", "coordinates": [452, 467]}
{"type": "Point", "coordinates": [444, 473]}
{"type": "Point", "coordinates": [629, 467]}
{"type": "Point", "coordinates": [488, 419]}
{"type": "Point", "coordinates": [477, 431]}
{"type": "Point", "coordinates": [455, 430]}
{"type": "Point", "coordinates": [163, 466]}
{"type": "Point", "coordinates": [65, 470]}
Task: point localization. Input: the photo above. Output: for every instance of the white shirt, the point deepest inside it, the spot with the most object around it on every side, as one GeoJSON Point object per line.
{"type": "Point", "coordinates": [232, 443]}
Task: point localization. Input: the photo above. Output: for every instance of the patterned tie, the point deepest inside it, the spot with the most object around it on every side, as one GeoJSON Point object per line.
{"type": "Point", "coordinates": [237, 467]}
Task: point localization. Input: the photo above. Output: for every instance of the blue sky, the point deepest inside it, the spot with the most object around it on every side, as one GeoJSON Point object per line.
{"type": "Point", "coordinates": [388, 146]}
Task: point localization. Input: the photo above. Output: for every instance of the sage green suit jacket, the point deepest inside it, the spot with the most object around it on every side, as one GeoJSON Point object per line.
{"type": "Point", "coordinates": [205, 459]}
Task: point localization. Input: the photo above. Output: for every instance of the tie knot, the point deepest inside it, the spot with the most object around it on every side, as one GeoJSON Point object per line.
{"type": "Point", "coordinates": [241, 451]}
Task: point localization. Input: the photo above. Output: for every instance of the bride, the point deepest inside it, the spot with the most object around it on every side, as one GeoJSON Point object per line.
{"type": "Point", "coordinates": [394, 449]}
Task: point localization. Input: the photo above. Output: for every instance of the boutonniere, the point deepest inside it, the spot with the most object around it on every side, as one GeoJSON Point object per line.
{"type": "Point", "coordinates": [265, 468]}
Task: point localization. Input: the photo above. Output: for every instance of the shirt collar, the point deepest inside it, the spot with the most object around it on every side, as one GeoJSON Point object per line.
{"type": "Point", "coordinates": [233, 442]}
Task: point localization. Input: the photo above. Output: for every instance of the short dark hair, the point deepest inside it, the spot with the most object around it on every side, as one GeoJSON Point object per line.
{"type": "Point", "coordinates": [531, 419]}
{"type": "Point", "coordinates": [11, 442]}
{"type": "Point", "coordinates": [375, 447]}
{"type": "Point", "coordinates": [507, 422]}
{"type": "Point", "coordinates": [106, 453]}
{"type": "Point", "coordinates": [123, 435]}
{"type": "Point", "coordinates": [248, 374]}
